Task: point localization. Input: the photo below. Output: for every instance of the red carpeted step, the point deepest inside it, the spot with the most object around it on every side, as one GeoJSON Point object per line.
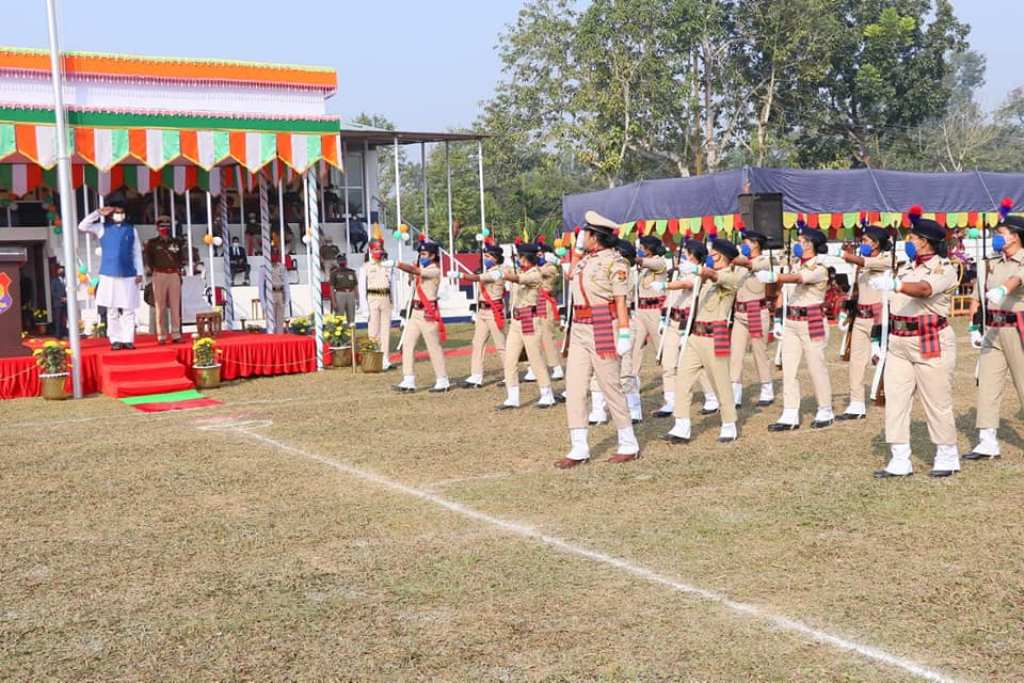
{"type": "Point", "coordinates": [139, 357]}
{"type": "Point", "coordinates": [129, 373]}
{"type": "Point", "coordinates": [144, 387]}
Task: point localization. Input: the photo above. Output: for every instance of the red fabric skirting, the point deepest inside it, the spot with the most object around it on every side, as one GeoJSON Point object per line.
{"type": "Point", "coordinates": [19, 377]}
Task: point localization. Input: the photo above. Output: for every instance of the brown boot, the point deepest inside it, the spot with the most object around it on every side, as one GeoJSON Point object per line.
{"type": "Point", "coordinates": [569, 463]}
{"type": "Point", "coordinates": [623, 457]}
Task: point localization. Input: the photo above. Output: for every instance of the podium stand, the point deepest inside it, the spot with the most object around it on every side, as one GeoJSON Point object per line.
{"type": "Point", "coordinates": [11, 261]}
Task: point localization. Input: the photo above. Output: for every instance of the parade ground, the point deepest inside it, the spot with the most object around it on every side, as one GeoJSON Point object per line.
{"type": "Point", "coordinates": [321, 526]}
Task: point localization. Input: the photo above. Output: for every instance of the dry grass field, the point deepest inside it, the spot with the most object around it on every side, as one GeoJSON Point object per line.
{"type": "Point", "coordinates": [323, 527]}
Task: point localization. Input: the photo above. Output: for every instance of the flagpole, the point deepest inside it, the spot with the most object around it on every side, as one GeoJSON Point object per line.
{"type": "Point", "coordinates": [67, 207]}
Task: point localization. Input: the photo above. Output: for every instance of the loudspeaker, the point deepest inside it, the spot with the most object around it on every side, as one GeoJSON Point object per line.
{"type": "Point", "coordinates": [762, 212]}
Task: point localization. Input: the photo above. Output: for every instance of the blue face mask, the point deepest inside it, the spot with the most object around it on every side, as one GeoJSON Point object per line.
{"type": "Point", "coordinates": [640, 253]}
{"type": "Point", "coordinates": [798, 250]}
{"type": "Point", "coordinates": [910, 250]}
{"type": "Point", "coordinates": [745, 250]}
{"type": "Point", "coordinates": [425, 261]}
{"type": "Point", "coordinates": [489, 263]}
{"type": "Point", "coordinates": [865, 250]}
{"type": "Point", "coordinates": [998, 243]}
{"type": "Point", "coordinates": [709, 261]}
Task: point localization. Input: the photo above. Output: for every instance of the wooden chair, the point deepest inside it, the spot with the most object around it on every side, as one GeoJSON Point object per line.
{"type": "Point", "coordinates": [208, 324]}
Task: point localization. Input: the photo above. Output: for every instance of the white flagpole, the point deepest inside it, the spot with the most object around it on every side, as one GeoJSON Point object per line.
{"type": "Point", "coordinates": [188, 228]}
{"type": "Point", "coordinates": [67, 206]}
{"type": "Point", "coordinates": [209, 231]}
{"type": "Point", "coordinates": [88, 235]}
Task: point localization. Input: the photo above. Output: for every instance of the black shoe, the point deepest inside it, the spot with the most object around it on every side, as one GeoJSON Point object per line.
{"type": "Point", "coordinates": [882, 474]}
{"type": "Point", "coordinates": [129, 346]}
{"type": "Point", "coordinates": [636, 421]}
{"type": "Point", "coordinates": [500, 383]}
{"type": "Point", "coordinates": [738, 406]}
{"type": "Point", "coordinates": [939, 474]}
{"type": "Point", "coordinates": [781, 427]}
{"type": "Point", "coordinates": [116, 346]}
{"type": "Point", "coordinates": [404, 390]}
{"type": "Point", "coordinates": [503, 406]}
{"type": "Point", "coordinates": [595, 424]}
{"type": "Point", "coordinates": [528, 379]}
{"type": "Point", "coordinates": [435, 390]}
{"type": "Point", "coordinates": [851, 416]}
{"type": "Point", "coordinates": [821, 424]}
{"type": "Point", "coordinates": [727, 439]}
{"type": "Point", "coordinates": [472, 385]}
{"type": "Point", "coordinates": [979, 456]}
{"type": "Point", "coordinates": [559, 398]}
{"type": "Point", "coordinates": [662, 413]}
{"type": "Point", "coordinates": [545, 406]}
{"type": "Point", "coordinates": [675, 440]}
{"type": "Point", "coordinates": [765, 404]}
{"type": "Point", "coordinates": [708, 411]}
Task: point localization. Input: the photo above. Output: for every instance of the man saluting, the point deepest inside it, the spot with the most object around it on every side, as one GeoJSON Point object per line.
{"type": "Point", "coordinates": [120, 271]}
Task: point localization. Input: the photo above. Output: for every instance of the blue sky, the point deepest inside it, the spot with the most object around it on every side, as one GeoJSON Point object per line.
{"type": "Point", "coordinates": [424, 65]}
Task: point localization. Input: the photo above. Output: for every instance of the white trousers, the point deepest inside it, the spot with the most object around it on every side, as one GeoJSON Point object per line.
{"type": "Point", "coordinates": [121, 325]}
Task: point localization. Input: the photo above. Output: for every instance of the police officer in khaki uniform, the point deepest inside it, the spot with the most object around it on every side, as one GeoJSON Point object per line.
{"type": "Point", "coordinates": [277, 291]}
{"type": "Point", "coordinates": [870, 261]}
{"type": "Point", "coordinates": [426, 320]}
{"type": "Point", "coordinates": [599, 336]}
{"type": "Point", "coordinates": [162, 257]}
{"type": "Point", "coordinates": [548, 317]}
{"type": "Point", "coordinates": [523, 330]}
{"type": "Point", "coordinates": [490, 314]}
{"type": "Point", "coordinates": [921, 355]}
{"type": "Point", "coordinates": [805, 331]}
{"type": "Point", "coordinates": [750, 321]}
{"type": "Point", "coordinates": [679, 300]}
{"type": "Point", "coordinates": [707, 346]}
{"type": "Point", "coordinates": [345, 289]}
{"type": "Point", "coordinates": [652, 277]}
{"type": "Point", "coordinates": [1002, 346]}
{"type": "Point", "coordinates": [376, 287]}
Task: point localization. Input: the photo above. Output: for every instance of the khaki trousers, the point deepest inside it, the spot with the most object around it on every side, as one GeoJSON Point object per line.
{"type": "Point", "coordinates": [277, 301]}
{"type": "Point", "coordinates": [1002, 354]}
{"type": "Point", "coordinates": [907, 373]}
{"type": "Point", "coordinates": [344, 303]}
{"type": "Point", "coordinates": [645, 326]}
{"type": "Point", "coordinates": [167, 295]}
{"type": "Point", "coordinates": [796, 342]}
{"type": "Point", "coordinates": [483, 328]}
{"type": "Point", "coordinates": [670, 361]}
{"type": "Point", "coordinates": [741, 339]}
{"type": "Point", "coordinates": [860, 357]}
{"type": "Point", "coordinates": [418, 326]}
{"type": "Point", "coordinates": [514, 346]}
{"type": "Point", "coordinates": [700, 356]}
{"type": "Point", "coordinates": [583, 362]}
{"type": "Point", "coordinates": [378, 325]}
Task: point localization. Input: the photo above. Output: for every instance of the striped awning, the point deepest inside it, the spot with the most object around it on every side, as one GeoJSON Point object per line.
{"type": "Point", "coordinates": [156, 148]}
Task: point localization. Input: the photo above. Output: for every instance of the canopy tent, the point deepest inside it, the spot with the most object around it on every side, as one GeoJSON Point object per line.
{"type": "Point", "coordinates": [830, 200]}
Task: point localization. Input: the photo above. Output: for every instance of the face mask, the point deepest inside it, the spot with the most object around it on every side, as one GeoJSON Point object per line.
{"type": "Point", "coordinates": [865, 250]}
{"type": "Point", "coordinates": [910, 250]}
{"type": "Point", "coordinates": [998, 243]}
{"type": "Point", "coordinates": [709, 261]}
{"type": "Point", "coordinates": [798, 250]}
{"type": "Point", "coordinates": [641, 253]}
{"type": "Point", "coordinates": [745, 250]}
{"type": "Point", "coordinates": [489, 263]}
{"type": "Point", "coordinates": [118, 217]}
{"type": "Point", "coordinates": [164, 232]}
{"type": "Point", "coordinates": [376, 255]}
{"type": "Point", "coordinates": [424, 261]}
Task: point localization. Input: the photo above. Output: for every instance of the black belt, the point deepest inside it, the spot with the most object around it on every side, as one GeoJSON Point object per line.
{"type": "Point", "coordinates": [381, 292]}
{"type": "Point", "coordinates": [278, 289]}
{"type": "Point", "coordinates": [910, 325]}
{"type": "Point", "coordinates": [798, 312]}
{"type": "Point", "coordinates": [532, 309]}
{"type": "Point", "coordinates": [417, 305]}
{"type": "Point", "coordinates": [679, 314]}
{"type": "Point", "coordinates": [998, 318]}
{"type": "Point", "coordinates": [345, 291]}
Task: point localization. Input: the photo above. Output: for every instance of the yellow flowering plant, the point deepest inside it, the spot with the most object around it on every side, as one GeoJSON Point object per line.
{"type": "Point", "coordinates": [337, 331]}
{"type": "Point", "coordinates": [300, 325]}
{"type": "Point", "coordinates": [369, 345]}
{"type": "Point", "coordinates": [39, 315]}
{"type": "Point", "coordinates": [52, 357]}
{"type": "Point", "coordinates": [204, 352]}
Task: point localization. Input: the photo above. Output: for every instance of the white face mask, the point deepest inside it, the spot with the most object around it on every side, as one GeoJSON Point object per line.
{"type": "Point", "coordinates": [118, 216]}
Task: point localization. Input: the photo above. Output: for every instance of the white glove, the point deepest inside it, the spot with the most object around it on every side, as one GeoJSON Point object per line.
{"type": "Point", "coordinates": [976, 337]}
{"type": "Point", "coordinates": [624, 341]}
{"type": "Point", "coordinates": [492, 276]}
{"type": "Point", "coordinates": [766, 276]}
{"type": "Point", "coordinates": [661, 327]}
{"type": "Point", "coordinates": [997, 295]}
{"type": "Point", "coordinates": [876, 352]}
{"type": "Point", "coordinates": [689, 268]}
{"type": "Point", "coordinates": [843, 317]}
{"type": "Point", "coordinates": [660, 287]}
{"type": "Point", "coordinates": [885, 283]}
{"type": "Point", "coordinates": [777, 330]}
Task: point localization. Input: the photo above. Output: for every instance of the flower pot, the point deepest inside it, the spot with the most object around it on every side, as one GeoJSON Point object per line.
{"type": "Point", "coordinates": [373, 361]}
{"type": "Point", "coordinates": [207, 377]}
{"type": "Point", "coordinates": [53, 386]}
{"type": "Point", "coordinates": [41, 329]}
{"type": "Point", "coordinates": [341, 356]}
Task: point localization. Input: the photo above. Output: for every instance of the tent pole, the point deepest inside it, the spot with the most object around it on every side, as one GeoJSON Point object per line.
{"type": "Point", "coordinates": [188, 228]}
{"type": "Point", "coordinates": [426, 196]}
{"type": "Point", "coordinates": [318, 300]}
{"type": "Point", "coordinates": [280, 210]}
{"type": "Point", "coordinates": [398, 196]}
{"type": "Point", "coordinates": [344, 183]}
{"type": "Point", "coordinates": [88, 235]}
{"type": "Point", "coordinates": [451, 234]}
{"type": "Point", "coordinates": [209, 231]}
{"type": "Point", "coordinates": [174, 224]}
{"type": "Point", "coordinates": [307, 236]}
{"type": "Point", "coordinates": [480, 170]}
{"type": "Point", "coordinates": [67, 204]}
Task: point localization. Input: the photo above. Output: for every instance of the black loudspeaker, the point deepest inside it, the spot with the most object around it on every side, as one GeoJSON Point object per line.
{"type": "Point", "coordinates": [762, 212]}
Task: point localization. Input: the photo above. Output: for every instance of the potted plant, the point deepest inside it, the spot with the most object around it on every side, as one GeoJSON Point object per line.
{"type": "Point", "coordinates": [205, 365]}
{"type": "Point", "coordinates": [373, 357]}
{"type": "Point", "coordinates": [338, 335]}
{"type": "Point", "coordinates": [99, 330]}
{"type": "Point", "coordinates": [52, 359]}
{"type": "Point", "coordinates": [300, 325]}
{"type": "Point", "coordinates": [39, 317]}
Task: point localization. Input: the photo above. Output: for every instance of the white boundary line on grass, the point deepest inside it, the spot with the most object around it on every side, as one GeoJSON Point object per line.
{"type": "Point", "coordinates": [779, 621]}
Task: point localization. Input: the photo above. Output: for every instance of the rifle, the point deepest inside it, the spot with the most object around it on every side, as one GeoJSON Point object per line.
{"type": "Point", "coordinates": [851, 310]}
{"type": "Point", "coordinates": [673, 275]}
{"type": "Point", "coordinates": [787, 245]}
{"type": "Point", "coordinates": [878, 381]}
{"type": "Point", "coordinates": [569, 307]}
{"type": "Point", "coordinates": [694, 303]}
{"type": "Point", "coordinates": [406, 315]}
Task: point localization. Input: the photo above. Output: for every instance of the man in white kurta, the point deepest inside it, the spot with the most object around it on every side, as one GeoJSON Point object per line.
{"type": "Point", "coordinates": [120, 271]}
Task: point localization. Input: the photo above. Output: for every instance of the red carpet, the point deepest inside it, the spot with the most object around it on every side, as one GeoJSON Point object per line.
{"type": "Point", "coordinates": [141, 372]}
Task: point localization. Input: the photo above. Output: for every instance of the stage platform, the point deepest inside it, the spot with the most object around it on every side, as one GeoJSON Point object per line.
{"type": "Point", "coordinates": [152, 368]}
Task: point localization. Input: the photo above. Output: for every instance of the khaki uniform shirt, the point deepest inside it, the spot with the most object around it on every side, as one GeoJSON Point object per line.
{"type": "Point", "coordinates": [162, 253]}
{"type": "Point", "coordinates": [377, 277]}
{"type": "Point", "coordinates": [278, 276]}
{"type": "Point", "coordinates": [1002, 269]}
{"type": "Point", "coordinates": [652, 269]}
{"type": "Point", "coordinates": [431, 281]}
{"type": "Point", "coordinates": [549, 276]}
{"type": "Point", "coordinates": [814, 283]}
{"type": "Point", "coordinates": [525, 291]}
{"type": "Point", "coordinates": [873, 265]}
{"type": "Point", "coordinates": [603, 275]}
{"type": "Point", "coordinates": [716, 298]}
{"type": "Point", "coordinates": [344, 279]}
{"type": "Point", "coordinates": [940, 274]}
{"type": "Point", "coordinates": [681, 298]}
{"type": "Point", "coordinates": [750, 288]}
{"type": "Point", "coordinates": [495, 289]}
